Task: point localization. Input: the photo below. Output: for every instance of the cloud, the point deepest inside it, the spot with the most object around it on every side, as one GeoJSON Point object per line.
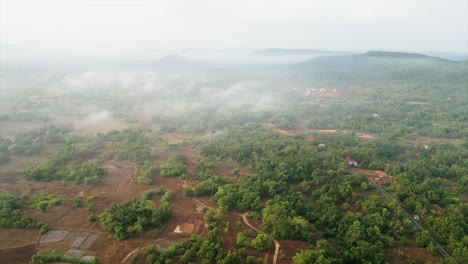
{"type": "Point", "coordinates": [98, 117]}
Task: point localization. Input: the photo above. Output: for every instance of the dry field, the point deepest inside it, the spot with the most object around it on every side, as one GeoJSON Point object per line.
{"type": "Point", "coordinates": [116, 187]}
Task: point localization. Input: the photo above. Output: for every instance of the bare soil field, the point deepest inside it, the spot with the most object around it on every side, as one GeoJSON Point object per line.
{"type": "Point", "coordinates": [8, 129]}
{"type": "Point", "coordinates": [401, 252]}
{"type": "Point", "coordinates": [11, 237]}
{"type": "Point", "coordinates": [366, 136]}
{"type": "Point", "coordinates": [429, 140]}
{"type": "Point", "coordinates": [116, 187]}
{"type": "Point", "coordinates": [302, 128]}
{"type": "Point", "coordinates": [281, 131]}
{"type": "Point", "coordinates": [369, 172]}
{"type": "Point", "coordinates": [417, 103]}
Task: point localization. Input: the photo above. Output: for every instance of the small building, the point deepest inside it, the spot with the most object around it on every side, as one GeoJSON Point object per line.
{"type": "Point", "coordinates": [381, 181]}
{"type": "Point", "coordinates": [436, 209]}
{"type": "Point", "coordinates": [416, 217]}
{"type": "Point", "coordinates": [425, 146]}
{"type": "Point", "coordinates": [321, 145]}
{"type": "Point", "coordinates": [201, 208]}
{"type": "Point", "coordinates": [351, 161]}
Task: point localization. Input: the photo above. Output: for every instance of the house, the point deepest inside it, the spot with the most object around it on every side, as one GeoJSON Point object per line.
{"type": "Point", "coordinates": [381, 182]}
{"type": "Point", "coordinates": [425, 146]}
{"type": "Point", "coordinates": [436, 209]}
{"type": "Point", "coordinates": [201, 208]}
{"type": "Point", "coordinates": [351, 161]}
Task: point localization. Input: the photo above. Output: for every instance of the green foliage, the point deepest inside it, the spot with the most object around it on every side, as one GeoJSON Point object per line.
{"type": "Point", "coordinates": [262, 242]}
{"type": "Point", "coordinates": [149, 170]}
{"type": "Point", "coordinates": [242, 240]}
{"type": "Point", "coordinates": [45, 258]}
{"type": "Point", "coordinates": [422, 239]}
{"type": "Point", "coordinates": [281, 162]}
{"type": "Point", "coordinates": [188, 192]}
{"type": "Point", "coordinates": [88, 172]}
{"type": "Point", "coordinates": [134, 145]}
{"type": "Point", "coordinates": [172, 169]}
{"type": "Point", "coordinates": [193, 250]}
{"type": "Point", "coordinates": [167, 196]}
{"type": "Point", "coordinates": [364, 186]}
{"type": "Point", "coordinates": [44, 201]}
{"type": "Point", "coordinates": [4, 150]}
{"type": "Point", "coordinates": [179, 158]}
{"type": "Point", "coordinates": [204, 169]}
{"type": "Point", "coordinates": [27, 116]}
{"type": "Point", "coordinates": [322, 253]}
{"type": "Point", "coordinates": [91, 206]}
{"type": "Point", "coordinates": [9, 213]}
{"type": "Point", "coordinates": [460, 249]}
{"type": "Point", "coordinates": [210, 186]}
{"type": "Point", "coordinates": [235, 172]}
{"type": "Point", "coordinates": [131, 218]}
{"type": "Point", "coordinates": [78, 202]}
{"type": "Point", "coordinates": [44, 229]}
{"type": "Point", "coordinates": [43, 205]}
{"type": "Point", "coordinates": [145, 195]}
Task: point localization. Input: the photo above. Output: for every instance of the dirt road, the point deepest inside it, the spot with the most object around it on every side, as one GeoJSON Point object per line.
{"type": "Point", "coordinates": [246, 221]}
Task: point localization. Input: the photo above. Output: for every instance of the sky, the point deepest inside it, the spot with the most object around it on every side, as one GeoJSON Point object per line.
{"type": "Point", "coordinates": [119, 26]}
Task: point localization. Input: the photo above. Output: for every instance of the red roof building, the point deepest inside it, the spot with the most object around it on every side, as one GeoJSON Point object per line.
{"type": "Point", "coordinates": [351, 161]}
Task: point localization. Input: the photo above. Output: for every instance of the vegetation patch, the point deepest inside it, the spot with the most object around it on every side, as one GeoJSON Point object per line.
{"type": "Point", "coordinates": [132, 218]}
{"type": "Point", "coordinates": [9, 213]}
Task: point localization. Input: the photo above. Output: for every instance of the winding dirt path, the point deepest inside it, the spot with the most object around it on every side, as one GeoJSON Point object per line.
{"type": "Point", "coordinates": [277, 245]}
{"type": "Point", "coordinates": [246, 221]}
{"type": "Point", "coordinates": [129, 255]}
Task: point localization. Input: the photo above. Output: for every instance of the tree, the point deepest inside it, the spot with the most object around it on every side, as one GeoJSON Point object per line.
{"type": "Point", "coordinates": [43, 205]}
{"type": "Point", "coordinates": [322, 253]}
{"type": "Point", "coordinates": [131, 218]}
{"type": "Point", "coordinates": [235, 172]}
{"type": "Point", "coordinates": [262, 242]}
{"type": "Point", "coordinates": [241, 240]}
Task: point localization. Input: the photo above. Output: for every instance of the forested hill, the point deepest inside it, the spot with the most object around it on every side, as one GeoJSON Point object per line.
{"type": "Point", "coordinates": [284, 52]}
{"type": "Point", "coordinates": [394, 54]}
{"type": "Point", "coordinates": [384, 66]}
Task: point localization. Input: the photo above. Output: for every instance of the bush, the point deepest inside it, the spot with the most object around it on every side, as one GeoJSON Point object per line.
{"type": "Point", "coordinates": [44, 229]}
{"type": "Point", "coordinates": [9, 213]}
{"type": "Point", "coordinates": [43, 205]}
{"type": "Point", "coordinates": [145, 195]}
{"type": "Point", "coordinates": [188, 192]}
{"type": "Point", "coordinates": [78, 202]}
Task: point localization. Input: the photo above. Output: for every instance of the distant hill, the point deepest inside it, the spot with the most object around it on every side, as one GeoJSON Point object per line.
{"type": "Point", "coordinates": [284, 52]}
{"type": "Point", "coordinates": [378, 65]}
{"type": "Point", "coordinates": [397, 55]}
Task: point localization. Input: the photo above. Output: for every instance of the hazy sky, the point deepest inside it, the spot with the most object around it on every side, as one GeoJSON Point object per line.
{"type": "Point", "coordinates": [124, 25]}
